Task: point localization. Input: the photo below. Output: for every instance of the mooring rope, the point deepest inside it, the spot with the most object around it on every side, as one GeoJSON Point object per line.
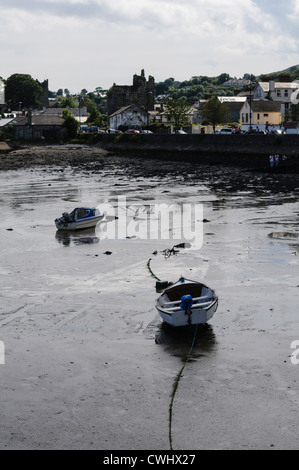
{"type": "Point", "coordinates": [175, 387]}
{"type": "Point", "coordinates": [179, 375]}
{"type": "Point", "coordinates": [150, 270]}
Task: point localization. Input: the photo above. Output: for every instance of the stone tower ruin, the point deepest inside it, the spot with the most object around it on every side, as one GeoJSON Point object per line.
{"type": "Point", "coordinates": [141, 93]}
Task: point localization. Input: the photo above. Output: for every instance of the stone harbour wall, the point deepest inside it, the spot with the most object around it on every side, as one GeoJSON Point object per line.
{"type": "Point", "coordinates": [251, 151]}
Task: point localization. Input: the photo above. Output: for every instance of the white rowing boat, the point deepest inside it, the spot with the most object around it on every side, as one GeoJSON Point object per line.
{"type": "Point", "coordinates": [187, 303]}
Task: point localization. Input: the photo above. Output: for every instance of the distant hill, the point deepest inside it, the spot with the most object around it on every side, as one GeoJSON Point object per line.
{"type": "Point", "coordinates": [289, 74]}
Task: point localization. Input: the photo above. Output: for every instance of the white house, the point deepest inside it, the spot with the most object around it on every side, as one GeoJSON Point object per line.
{"type": "Point", "coordinates": [277, 91]}
{"type": "Point", "coordinates": [130, 116]}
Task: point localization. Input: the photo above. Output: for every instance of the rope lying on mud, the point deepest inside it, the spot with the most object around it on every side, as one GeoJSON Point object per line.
{"type": "Point", "coordinates": [175, 387]}
{"type": "Point", "coordinates": [179, 375]}
{"type": "Point", "coordinates": [150, 270]}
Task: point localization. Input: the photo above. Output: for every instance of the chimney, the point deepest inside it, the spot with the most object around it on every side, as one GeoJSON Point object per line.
{"type": "Point", "coordinates": [271, 86]}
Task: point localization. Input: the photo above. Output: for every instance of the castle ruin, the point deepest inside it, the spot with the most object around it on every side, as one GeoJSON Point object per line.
{"type": "Point", "coordinates": [141, 93]}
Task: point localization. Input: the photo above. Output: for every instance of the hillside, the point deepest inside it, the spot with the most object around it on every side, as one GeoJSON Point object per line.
{"type": "Point", "coordinates": [203, 87]}
{"type": "Point", "coordinates": [291, 73]}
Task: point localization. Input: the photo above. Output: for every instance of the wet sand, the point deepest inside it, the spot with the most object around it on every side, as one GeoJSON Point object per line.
{"type": "Point", "coordinates": [30, 156]}
{"type": "Point", "coordinates": [88, 363]}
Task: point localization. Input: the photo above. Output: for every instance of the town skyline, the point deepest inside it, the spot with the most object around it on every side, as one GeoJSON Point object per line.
{"type": "Point", "coordinates": [292, 71]}
{"type": "Point", "coordinates": [92, 43]}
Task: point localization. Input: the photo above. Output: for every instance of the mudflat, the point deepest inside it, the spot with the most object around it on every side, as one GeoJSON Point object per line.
{"type": "Point", "coordinates": [88, 363]}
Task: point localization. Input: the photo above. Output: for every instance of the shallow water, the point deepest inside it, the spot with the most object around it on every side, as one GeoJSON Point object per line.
{"type": "Point", "coordinates": [86, 353]}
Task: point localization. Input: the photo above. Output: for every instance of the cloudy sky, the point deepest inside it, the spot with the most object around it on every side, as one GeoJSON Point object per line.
{"type": "Point", "coordinates": [80, 44]}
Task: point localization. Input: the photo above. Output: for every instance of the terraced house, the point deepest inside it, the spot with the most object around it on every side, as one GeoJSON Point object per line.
{"type": "Point", "coordinates": [277, 91]}
{"type": "Point", "coordinates": [261, 114]}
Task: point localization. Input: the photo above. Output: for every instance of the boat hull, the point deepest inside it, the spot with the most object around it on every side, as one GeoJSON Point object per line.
{"type": "Point", "coordinates": [205, 304]}
{"type": "Point", "coordinates": [79, 224]}
{"type": "Point", "coordinates": [197, 317]}
{"type": "Point", "coordinates": [79, 219]}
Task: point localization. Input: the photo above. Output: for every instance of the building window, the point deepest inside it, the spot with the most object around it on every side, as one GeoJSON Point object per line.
{"type": "Point", "coordinates": [266, 115]}
{"type": "Point", "coordinates": [258, 116]}
{"type": "Point", "coordinates": [278, 92]}
{"type": "Point", "coordinates": [246, 117]}
{"type": "Point", "coordinates": [286, 93]}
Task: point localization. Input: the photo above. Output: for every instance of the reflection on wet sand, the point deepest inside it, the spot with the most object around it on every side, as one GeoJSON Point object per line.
{"type": "Point", "coordinates": [178, 340]}
{"type": "Point", "coordinates": [82, 237]}
{"type": "Point", "coordinates": [92, 348]}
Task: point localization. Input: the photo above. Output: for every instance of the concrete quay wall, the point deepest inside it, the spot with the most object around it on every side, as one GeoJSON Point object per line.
{"type": "Point", "coordinates": [244, 150]}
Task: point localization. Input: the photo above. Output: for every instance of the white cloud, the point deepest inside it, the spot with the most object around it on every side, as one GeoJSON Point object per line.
{"type": "Point", "coordinates": [87, 43]}
{"type": "Point", "coordinates": [294, 15]}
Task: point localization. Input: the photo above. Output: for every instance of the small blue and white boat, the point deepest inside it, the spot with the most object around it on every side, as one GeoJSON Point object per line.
{"type": "Point", "coordinates": [80, 218]}
{"type": "Point", "coordinates": [187, 303]}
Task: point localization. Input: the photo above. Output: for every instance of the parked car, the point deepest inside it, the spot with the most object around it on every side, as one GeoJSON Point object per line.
{"type": "Point", "coordinates": [226, 130]}
{"type": "Point", "coordinates": [113, 131]}
{"type": "Point", "coordinates": [132, 131]}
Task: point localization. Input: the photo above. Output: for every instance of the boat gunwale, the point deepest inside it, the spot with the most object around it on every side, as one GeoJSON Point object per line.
{"type": "Point", "coordinates": [81, 223]}
{"type": "Point", "coordinates": [93, 217]}
{"type": "Point", "coordinates": [194, 307]}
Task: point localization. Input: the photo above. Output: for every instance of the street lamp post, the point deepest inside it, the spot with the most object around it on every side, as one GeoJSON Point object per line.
{"type": "Point", "coordinates": [79, 110]}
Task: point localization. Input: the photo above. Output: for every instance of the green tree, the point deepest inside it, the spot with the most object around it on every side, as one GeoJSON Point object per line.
{"type": "Point", "coordinates": [224, 77]}
{"type": "Point", "coordinates": [70, 124]}
{"type": "Point", "coordinates": [169, 82]}
{"type": "Point", "coordinates": [67, 102]}
{"type": "Point", "coordinates": [99, 101]}
{"type": "Point", "coordinates": [22, 91]}
{"type": "Point", "coordinates": [215, 112]}
{"type": "Point", "coordinates": [97, 119]}
{"type": "Point", "coordinates": [249, 76]}
{"type": "Point", "coordinates": [85, 100]}
{"type": "Point", "coordinates": [294, 111]}
{"type": "Point", "coordinates": [177, 111]}
{"type": "Point", "coordinates": [164, 87]}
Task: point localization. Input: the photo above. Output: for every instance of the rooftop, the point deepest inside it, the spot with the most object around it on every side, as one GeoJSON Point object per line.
{"type": "Point", "coordinates": [264, 106]}
{"type": "Point", "coordinates": [279, 85]}
{"type": "Point", "coordinates": [40, 120]}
